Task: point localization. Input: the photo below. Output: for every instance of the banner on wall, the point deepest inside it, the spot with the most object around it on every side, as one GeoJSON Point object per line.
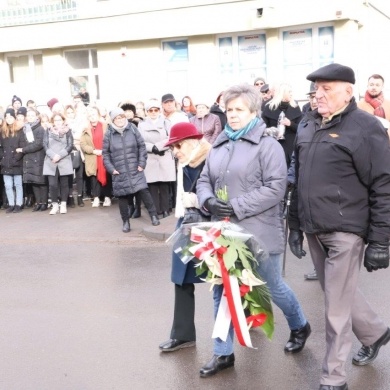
{"type": "Point", "coordinates": [251, 51]}
{"type": "Point", "coordinates": [298, 46]}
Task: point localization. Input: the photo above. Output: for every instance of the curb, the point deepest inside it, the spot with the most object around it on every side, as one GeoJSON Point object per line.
{"type": "Point", "coordinates": [162, 231]}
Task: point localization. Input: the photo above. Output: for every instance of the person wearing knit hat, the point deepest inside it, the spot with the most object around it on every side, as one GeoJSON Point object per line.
{"type": "Point", "coordinates": [16, 102]}
{"type": "Point", "coordinates": [124, 156]}
{"type": "Point", "coordinates": [10, 111]}
{"type": "Point", "coordinates": [21, 113]}
{"type": "Point", "coordinates": [342, 194]}
{"type": "Point", "coordinates": [51, 103]}
{"type": "Point", "coordinates": [258, 82]}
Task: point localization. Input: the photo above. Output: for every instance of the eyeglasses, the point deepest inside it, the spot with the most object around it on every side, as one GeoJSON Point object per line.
{"type": "Point", "coordinates": [177, 145]}
{"type": "Point", "coordinates": [312, 97]}
{"type": "Point", "coordinates": [259, 84]}
{"type": "Point", "coordinates": [154, 110]}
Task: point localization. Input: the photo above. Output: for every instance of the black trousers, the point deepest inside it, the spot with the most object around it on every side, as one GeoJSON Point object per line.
{"type": "Point", "coordinates": [160, 194]}
{"type": "Point", "coordinates": [79, 176]}
{"type": "Point", "coordinates": [97, 190]}
{"type": "Point", "coordinates": [40, 193]}
{"type": "Point", "coordinates": [124, 202]}
{"type": "Point", "coordinates": [58, 183]}
{"type": "Point", "coordinates": [183, 327]}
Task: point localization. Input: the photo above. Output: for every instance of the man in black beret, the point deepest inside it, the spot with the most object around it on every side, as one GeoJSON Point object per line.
{"type": "Point", "coordinates": [341, 202]}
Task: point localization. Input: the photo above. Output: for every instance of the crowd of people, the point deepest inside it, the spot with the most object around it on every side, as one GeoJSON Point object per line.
{"type": "Point", "coordinates": [332, 155]}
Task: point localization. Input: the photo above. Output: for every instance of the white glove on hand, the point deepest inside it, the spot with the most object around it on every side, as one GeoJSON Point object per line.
{"type": "Point", "coordinates": [189, 199]}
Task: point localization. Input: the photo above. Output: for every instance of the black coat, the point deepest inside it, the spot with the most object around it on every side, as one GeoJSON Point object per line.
{"type": "Point", "coordinates": [342, 175]}
{"type": "Point", "coordinates": [216, 110]}
{"type": "Point", "coordinates": [34, 156]}
{"type": "Point", "coordinates": [186, 273]}
{"type": "Point", "coordinates": [11, 162]}
{"type": "Point", "coordinates": [270, 118]}
{"type": "Point", "coordinates": [124, 153]}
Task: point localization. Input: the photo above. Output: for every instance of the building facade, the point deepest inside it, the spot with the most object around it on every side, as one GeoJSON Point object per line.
{"type": "Point", "coordinates": [141, 49]}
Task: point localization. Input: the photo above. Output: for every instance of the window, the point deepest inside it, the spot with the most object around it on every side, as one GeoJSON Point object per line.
{"type": "Point", "coordinates": [25, 67]}
{"type": "Point", "coordinates": [242, 57]}
{"type": "Point", "coordinates": [83, 71]}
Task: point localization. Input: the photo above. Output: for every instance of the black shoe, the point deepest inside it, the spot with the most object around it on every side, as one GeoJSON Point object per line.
{"type": "Point", "coordinates": [173, 345]}
{"type": "Point", "coordinates": [311, 276]}
{"type": "Point", "coordinates": [330, 387]}
{"type": "Point", "coordinates": [137, 213]}
{"type": "Point", "coordinates": [37, 207]}
{"type": "Point", "coordinates": [80, 201]}
{"type": "Point", "coordinates": [155, 221]}
{"type": "Point", "coordinates": [216, 364]}
{"type": "Point", "coordinates": [30, 201]}
{"type": "Point", "coordinates": [71, 202]}
{"type": "Point", "coordinates": [297, 339]}
{"type": "Point", "coordinates": [10, 209]}
{"type": "Point", "coordinates": [165, 214]}
{"type": "Point", "coordinates": [44, 207]}
{"type": "Point", "coordinates": [367, 355]}
{"type": "Point", "coordinates": [17, 209]}
{"type": "Point", "coordinates": [126, 226]}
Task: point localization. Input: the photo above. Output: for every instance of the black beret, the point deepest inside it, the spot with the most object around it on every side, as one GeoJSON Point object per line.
{"type": "Point", "coordinates": [333, 72]}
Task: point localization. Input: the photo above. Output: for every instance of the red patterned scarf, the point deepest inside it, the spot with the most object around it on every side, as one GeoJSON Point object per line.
{"type": "Point", "coordinates": [376, 103]}
{"type": "Point", "coordinates": [97, 137]}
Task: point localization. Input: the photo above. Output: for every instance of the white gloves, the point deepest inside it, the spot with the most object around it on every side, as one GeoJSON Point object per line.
{"type": "Point", "coordinates": [189, 199]}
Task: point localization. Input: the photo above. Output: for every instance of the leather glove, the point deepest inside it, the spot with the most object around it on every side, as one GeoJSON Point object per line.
{"type": "Point", "coordinates": [156, 151]}
{"type": "Point", "coordinates": [295, 240]}
{"type": "Point", "coordinates": [189, 199]}
{"type": "Point", "coordinates": [218, 207]}
{"type": "Point", "coordinates": [376, 256]}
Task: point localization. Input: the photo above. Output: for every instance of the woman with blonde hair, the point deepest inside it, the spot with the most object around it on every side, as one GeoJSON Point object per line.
{"type": "Point", "coordinates": [283, 101]}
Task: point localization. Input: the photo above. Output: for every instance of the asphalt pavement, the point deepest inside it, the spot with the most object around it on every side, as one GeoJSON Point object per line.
{"type": "Point", "coordinates": [84, 306]}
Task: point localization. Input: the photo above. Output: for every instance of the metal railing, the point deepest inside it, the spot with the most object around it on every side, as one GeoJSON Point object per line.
{"type": "Point", "coordinates": [38, 12]}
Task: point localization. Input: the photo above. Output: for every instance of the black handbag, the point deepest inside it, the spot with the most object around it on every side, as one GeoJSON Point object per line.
{"type": "Point", "coordinates": [76, 159]}
{"type": "Point", "coordinates": [192, 214]}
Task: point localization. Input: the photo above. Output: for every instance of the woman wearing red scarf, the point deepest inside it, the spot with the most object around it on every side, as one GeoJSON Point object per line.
{"type": "Point", "coordinates": [91, 143]}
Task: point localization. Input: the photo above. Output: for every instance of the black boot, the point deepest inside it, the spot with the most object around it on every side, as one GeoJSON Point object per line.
{"type": "Point", "coordinates": [43, 207]}
{"type": "Point", "coordinates": [80, 201]}
{"type": "Point", "coordinates": [137, 209]}
{"type": "Point", "coordinates": [137, 212]}
{"type": "Point", "coordinates": [71, 202]}
{"type": "Point", "coordinates": [298, 339]}
{"type": "Point", "coordinates": [126, 226]}
{"type": "Point", "coordinates": [216, 364]}
{"type": "Point", "coordinates": [155, 221]}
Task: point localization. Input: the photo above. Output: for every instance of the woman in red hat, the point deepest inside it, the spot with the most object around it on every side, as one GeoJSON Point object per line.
{"type": "Point", "coordinates": [191, 151]}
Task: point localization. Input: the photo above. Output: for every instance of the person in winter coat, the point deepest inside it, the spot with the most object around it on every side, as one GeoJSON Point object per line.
{"type": "Point", "coordinates": [283, 101]}
{"type": "Point", "coordinates": [124, 156]}
{"type": "Point", "coordinates": [253, 168]}
{"type": "Point", "coordinates": [218, 108]}
{"type": "Point", "coordinates": [191, 151]}
{"type": "Point", "coordinates": [207, 124]}
{"type": "Point", "coordinates": [341, 202]}
{"type": "Point", "coordinates": [33, 158]}
{"type": "Point", "coordinates": [11, 138]}
{"type": "Point", "coordinates": [91, 143]}
{"type": "Point", "coordinates": [160, 167]}
{"type": "Point", "coordinates": [58, 144]}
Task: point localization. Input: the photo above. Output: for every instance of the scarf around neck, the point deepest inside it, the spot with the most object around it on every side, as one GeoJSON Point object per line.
{"type": "Point", "coordinates": [197, 156]}
{"type": "Point", "coordinates": [119, 129]}
{"type": "Point", "coordinates": [97, 138]}
{"type": "Point", "coordinates": [235, 135]}
{"type": "Point", "coordinates": [376, 104]}
{"type": "Point", "coordinates": [29, 132]}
